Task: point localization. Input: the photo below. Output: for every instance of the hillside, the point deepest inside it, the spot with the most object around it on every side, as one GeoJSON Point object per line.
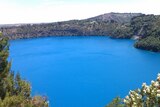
{"type": "Point", "coordinates": [148, 28]}
{"type": "Point", "coordinates": [99, 25]}
{"type": "Point", "coordinates": [116, 17]}
{"type": "Point", "coordinates": [115, 25]}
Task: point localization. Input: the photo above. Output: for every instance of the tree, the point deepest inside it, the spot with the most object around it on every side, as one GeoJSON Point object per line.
{"type": "Point", "coordinates": [147, 96]}
{"type": "Point", "coordinates": [4, 65]}
{"type": "Point", "coordinates": [15, 92]}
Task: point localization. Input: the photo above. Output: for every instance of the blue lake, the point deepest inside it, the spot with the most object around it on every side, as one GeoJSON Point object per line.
{"type": "Point", "coordinates": [82, 71]}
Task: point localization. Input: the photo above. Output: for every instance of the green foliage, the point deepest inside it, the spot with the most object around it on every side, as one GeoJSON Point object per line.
{"type": "Point", "coordinates": [20, 101]}
{"type": "Point", "coordinates": [117, 102]}
{"type": "Point", "coordinates": [143, 25]}
{"type": "Point", "coordinates": [148, 27]}
{"type": "Point", "coordinates": [122, 31]}
{"type": "Point", "coordinates": [147, 96]}
{"type": "Point", "coordinates": [149, 43]}
{"type": "Point", "coordinates": [4, 65]}
{"type": "Point", "coordinates": [15, 92]}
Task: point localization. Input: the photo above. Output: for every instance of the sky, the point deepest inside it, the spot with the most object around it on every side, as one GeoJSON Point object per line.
{"type": "Point", "coordinates": [43, 11]}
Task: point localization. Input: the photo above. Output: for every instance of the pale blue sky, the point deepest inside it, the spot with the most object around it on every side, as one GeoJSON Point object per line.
{"type": "Point", "coordinates": [35, 11]}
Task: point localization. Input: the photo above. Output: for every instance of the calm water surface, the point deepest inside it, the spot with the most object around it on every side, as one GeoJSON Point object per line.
{"type": "Point", "coordinates": [82, 71]}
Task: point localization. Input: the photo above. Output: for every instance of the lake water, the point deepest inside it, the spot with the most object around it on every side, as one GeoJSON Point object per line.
{"type": "Point", "coordinates": [82, 71]}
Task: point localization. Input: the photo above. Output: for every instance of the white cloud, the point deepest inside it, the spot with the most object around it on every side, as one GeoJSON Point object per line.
{"type": "Point", "coordinates": [51, 11]}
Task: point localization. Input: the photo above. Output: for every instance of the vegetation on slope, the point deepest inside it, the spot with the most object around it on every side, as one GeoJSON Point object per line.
{"type": "Point", "coordinates": [148, 28]}
{"type": "Point", "coordinates": [115, 25]}
{"type": "Point", "coordinates": [15, 92]}
{"type": "Point", "coordinates": [147, 96]}
{"type": "Point", "coordinates": [69, 28]}
{"type": "Point", "coordinates": [116, 17]}
{"type": "Point", "coordinates": [100, 25]}
{"type": "Point", "coordinates": [150, 43]}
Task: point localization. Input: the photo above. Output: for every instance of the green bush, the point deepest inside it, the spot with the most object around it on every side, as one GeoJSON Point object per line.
{"type": "Point", "coordinates": [147, 96]}
{"type": "Point", "coordinates": [15, 92]}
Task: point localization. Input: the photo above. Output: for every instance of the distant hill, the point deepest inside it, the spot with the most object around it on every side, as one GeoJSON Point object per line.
{"type": "Point", "coordinates": [115, 25]}
{"type": "Point", "coordinates": [116, 17]}
{"type": "Point", "coordinates": [99, 25]}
